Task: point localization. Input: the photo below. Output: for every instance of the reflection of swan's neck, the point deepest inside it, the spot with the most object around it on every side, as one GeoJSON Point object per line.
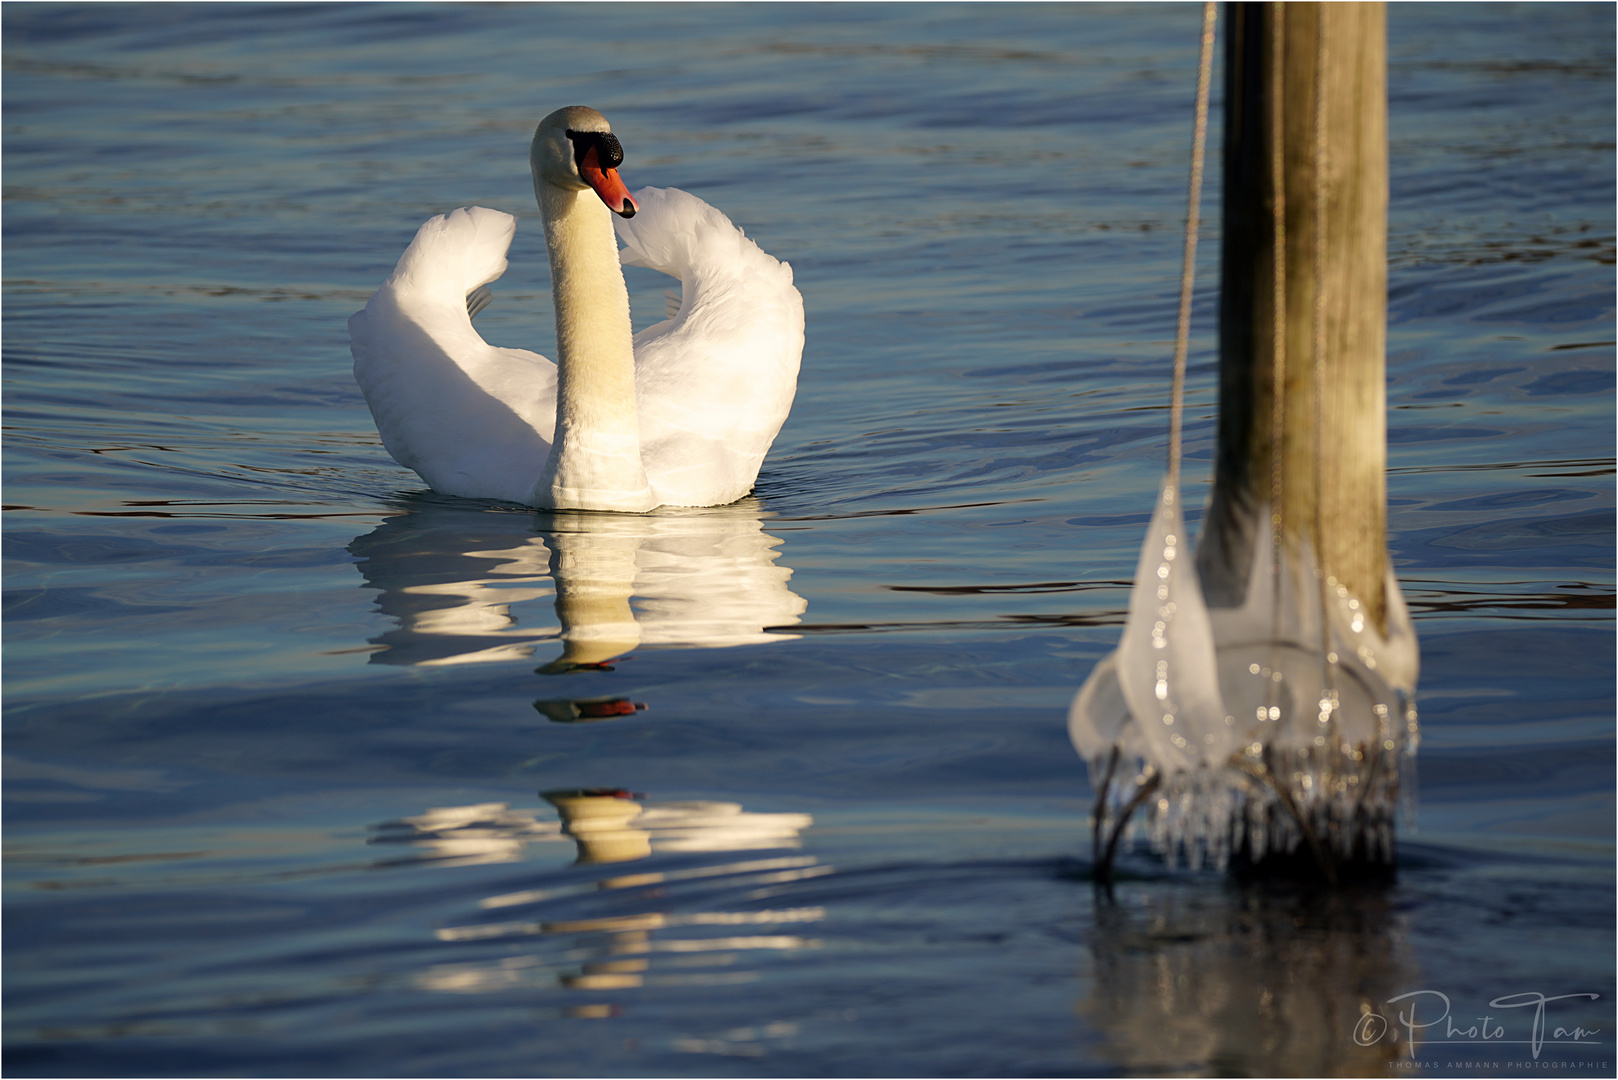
{"type": "Point", "coordinates": [595, 578]}
{"type": "Point", "coordinates": [600, 826]}
{"type": "Point", "coordinates": [595, 462]}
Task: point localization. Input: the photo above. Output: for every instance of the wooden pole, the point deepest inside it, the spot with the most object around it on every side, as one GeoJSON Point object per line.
{"type": "Point", "coordinates": [1344, 491]}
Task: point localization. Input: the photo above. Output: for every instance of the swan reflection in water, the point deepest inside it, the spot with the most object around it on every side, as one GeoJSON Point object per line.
{"type": "Point", "coordinates": [460, 581]}
{"type": "Point", "coordinates": [607, 825]}
{"type": "Point", "coordinates": [546, 936]}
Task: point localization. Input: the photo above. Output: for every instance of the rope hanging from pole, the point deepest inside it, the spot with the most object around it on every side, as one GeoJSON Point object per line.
{"type": "Point", "coordinates": [1193, 221]}
{"type": "Point", "coordinates": [1104, 853]}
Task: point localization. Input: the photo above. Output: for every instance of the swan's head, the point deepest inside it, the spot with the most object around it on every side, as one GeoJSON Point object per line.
{"type": "Point", "coordinates": [573, 149]}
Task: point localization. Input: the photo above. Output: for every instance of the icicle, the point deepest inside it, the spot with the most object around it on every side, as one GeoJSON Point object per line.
{"type": "Point", "coordinates": [1166, 666]}
{"type": "Point", "coordinates": [1260, 743]}
{"type": "Point", "coordinates": [1286, 720]}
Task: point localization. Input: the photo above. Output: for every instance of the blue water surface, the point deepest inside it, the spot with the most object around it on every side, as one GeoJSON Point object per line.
{"type": "Point", "coordinates": [290, 742]}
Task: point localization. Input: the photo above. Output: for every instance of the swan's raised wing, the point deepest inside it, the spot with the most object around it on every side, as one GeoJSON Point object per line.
{"type": "Point", "coordinates": [715, 382]}
{"type": "Point", "coordinates": [471, 419]}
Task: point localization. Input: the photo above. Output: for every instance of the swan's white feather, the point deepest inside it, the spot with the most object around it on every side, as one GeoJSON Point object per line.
{"type": "Point", "coordinates": [471, 419]}
{"type": "Point", "coordinates": [713, 383]}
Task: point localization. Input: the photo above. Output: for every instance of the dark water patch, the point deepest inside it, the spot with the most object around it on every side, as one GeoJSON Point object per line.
{"type": "Point", "coordinates": [1457, 775]}
{"type": "Point", "coordinates": [1578, 539]}
{"type": "Point", "coordinates": [1571, 382]}
{"type": "Point", "coordinates": [1573, 467]}
{"type": "Point", "coordinates": [1428, 598]}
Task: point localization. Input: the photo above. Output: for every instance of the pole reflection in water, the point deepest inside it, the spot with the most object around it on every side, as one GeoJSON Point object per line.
{"type": "Point", "coordinates": [457, 577]}
{"type": "Point", "coordinates": [1245, 982]}
{"type": "Point", "coordinates": [628, 929]}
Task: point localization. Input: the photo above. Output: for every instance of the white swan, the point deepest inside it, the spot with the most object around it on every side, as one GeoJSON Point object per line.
{"type": "Point", "coordinates": [679, 415]}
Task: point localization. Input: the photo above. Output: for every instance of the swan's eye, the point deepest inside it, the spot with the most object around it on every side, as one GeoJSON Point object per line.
{"type": "Point", "coordinates": [609, 152]}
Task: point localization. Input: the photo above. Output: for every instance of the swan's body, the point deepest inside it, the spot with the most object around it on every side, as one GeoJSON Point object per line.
{"type": "Point", "coordinates": [681, 414]}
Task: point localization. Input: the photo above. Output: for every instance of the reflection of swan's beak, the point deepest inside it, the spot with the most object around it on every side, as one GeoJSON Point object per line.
{"type": "Point", "coordinates": [582, 712]}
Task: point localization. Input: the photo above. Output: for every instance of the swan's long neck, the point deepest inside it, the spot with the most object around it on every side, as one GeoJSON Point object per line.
{"type": "Point", "coordinates": [595, 462]}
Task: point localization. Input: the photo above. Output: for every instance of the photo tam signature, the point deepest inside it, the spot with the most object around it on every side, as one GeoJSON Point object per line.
{"type": "Point", "coordinates": [1418, 1012]}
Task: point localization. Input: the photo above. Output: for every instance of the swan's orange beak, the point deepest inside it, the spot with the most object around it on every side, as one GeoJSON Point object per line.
{"type": "Point", "coordinates": [607, 185]}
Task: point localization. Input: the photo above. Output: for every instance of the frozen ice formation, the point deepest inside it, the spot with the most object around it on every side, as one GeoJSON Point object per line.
{"type": "Point", "coordinates": [1251, 730]}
